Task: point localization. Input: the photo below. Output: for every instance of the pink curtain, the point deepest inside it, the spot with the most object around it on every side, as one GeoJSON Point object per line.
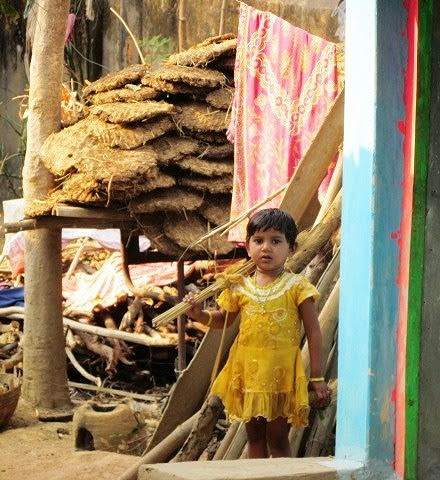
{"type": "Point", "coordinates": [286, 80]}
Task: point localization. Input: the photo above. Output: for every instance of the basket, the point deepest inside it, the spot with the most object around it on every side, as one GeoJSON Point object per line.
{"type": "Point", "coordinates": [9, 399]}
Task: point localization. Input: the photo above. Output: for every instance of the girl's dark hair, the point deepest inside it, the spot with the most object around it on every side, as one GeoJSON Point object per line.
{"type": "Point", "coordinates": [273, 218]}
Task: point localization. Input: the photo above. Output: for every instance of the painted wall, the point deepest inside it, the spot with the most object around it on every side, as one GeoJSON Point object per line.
{"type": "Point", "coordinates": [376, 59]}
{"type": "Point", "coordinates": [428, 458]}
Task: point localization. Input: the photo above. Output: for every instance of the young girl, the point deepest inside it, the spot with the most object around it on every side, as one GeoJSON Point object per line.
{"type": "Point", "coordinates": [263, 382]}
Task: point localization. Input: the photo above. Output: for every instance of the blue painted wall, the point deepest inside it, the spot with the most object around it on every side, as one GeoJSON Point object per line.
{"type": "Point", "coordinates": [372, 197]}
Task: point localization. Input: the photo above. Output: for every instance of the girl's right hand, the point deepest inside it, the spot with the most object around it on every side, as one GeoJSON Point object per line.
{"type": "Point", "coordinates": [195, 312]}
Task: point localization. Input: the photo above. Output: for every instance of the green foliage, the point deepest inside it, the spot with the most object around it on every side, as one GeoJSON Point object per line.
{"type": "Point", "coordinates": [9, 11]}
{"type": "Point", "coordinates": [156, 49]}
{"type": "Point", "coordinates": [11, 164]}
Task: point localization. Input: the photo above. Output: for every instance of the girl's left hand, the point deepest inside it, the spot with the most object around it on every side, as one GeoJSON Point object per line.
{"type": "Point", "coordinates": [322, 394]}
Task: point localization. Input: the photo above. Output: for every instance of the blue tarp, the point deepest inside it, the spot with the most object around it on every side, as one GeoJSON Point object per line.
{"type": "Point", "coordinates": [10, 297]}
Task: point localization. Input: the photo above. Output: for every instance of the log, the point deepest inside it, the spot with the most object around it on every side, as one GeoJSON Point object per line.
{"type": "Point", "coordinates": [11, 362]}
{"type": "Point", "coordinates": [237, 445]}
{"type": "Point", "coordinates": [127, 336]}
{"type": "Point", "coordinates": [201, 431]}
{"type": "Point", "coordinates": [317, 265]}
{"type": "Point", "coordinates": [91, 342]}
{"type": "Point", "coordinates": [226, 442]}
{"type": "Point", "coordinates": [310, 242]}
{"type": "Point", "coordinates": [80, 369]}
{"type": "Point", "coordinates": [112, 391]}
{"type": "Point", "coordinates": [328, 280]}
{"type": "Point", "coordinates": [334, 186]}
{"type": "Point", "coordinates": [163, 450]}
{"type": "Point", "coordinates": [322, 427]}
{"type": "Point", "coordinates": [328, 320]}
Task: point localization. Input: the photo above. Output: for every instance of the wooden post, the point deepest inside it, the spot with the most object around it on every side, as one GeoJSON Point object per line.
{"type": "Point", "coordinates": [182, 25]}
{"type": "Point", "coordinates": [44, 363]}
{"type": "Point", "coordinates": [181, 359]}
{"type": "Point", "coordinates": [221, 28]}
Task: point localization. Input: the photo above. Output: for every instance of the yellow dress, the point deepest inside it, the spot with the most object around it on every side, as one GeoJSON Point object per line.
{"type": "Point", "coordinates": [264, 374]}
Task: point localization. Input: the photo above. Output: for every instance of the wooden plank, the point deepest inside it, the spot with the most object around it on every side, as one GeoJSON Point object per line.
{"type": "Point", "coordinates": [55, 223]}
{"type": "Point", "coordinates": [313, 167]}
{"type": "Point", "coordinates": [62, 210]}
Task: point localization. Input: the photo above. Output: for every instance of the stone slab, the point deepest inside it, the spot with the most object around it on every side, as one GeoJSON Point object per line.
{"type": "Point", "coordinates": [260, 469]}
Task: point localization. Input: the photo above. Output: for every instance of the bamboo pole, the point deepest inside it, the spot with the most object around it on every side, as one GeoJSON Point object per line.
{"type": "Point", "coordinates": [136, 44]}
{"type": "Point", "coordinates": [237, 444]}
{"type": "Point", "coordinates": [311, 241]}
{"type": "Point", "coordinates": [221, 28]}
{"type": "Point", "coordinates": [334, 186]}
{"type": "Point", "coordinates": [182, 25]}
{"type": "Point", "coordinates": [226, 442]}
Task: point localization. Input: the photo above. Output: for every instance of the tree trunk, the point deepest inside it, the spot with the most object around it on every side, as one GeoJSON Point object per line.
{"type": "Point", "coordinates": [44, 364]}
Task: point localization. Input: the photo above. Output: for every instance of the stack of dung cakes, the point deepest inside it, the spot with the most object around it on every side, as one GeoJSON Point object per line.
{"type": "Point", "coordinates": [154, 143]}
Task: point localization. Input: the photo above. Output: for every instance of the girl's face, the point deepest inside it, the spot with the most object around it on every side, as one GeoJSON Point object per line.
{"type": "Point", "coordinates": [268, 249]}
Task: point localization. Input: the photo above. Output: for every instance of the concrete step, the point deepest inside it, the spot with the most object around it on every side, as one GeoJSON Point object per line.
{"type": "Point", "coordinates": [261, 469]}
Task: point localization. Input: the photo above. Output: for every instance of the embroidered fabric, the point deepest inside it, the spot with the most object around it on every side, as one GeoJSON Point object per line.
{"type": "Point", "coordinates": [286, 81]}
{"type": "Point", "coordinates": [264, 374]}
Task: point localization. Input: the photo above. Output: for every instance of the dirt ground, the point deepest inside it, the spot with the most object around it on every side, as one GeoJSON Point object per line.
{"type": "Point", "coordinates": [32, 450]}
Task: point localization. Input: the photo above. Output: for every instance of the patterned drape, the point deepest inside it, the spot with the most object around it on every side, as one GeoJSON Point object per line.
{"type": "Point", "coordinates": [286, 80]}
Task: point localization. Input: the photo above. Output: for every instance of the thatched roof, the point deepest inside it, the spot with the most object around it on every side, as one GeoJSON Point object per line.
{"type": "Point", "coordinates": [130, 93]}
{"type": "Point", "coordinates": [205, 52]}
{"type": "Point", "coordinates": [133, 136]}
{"type": "Point", "coordinates": [186, 231]}
{"type": "Point", "coordinates": [121, 112]}
{"type": "Point", "coordinates": [131, 74]}
{"type": "Point", "coordinates": [170, 200]}
{"type": "Point", "coordinates": [200, 117]}
{"type": "Point", "coordinates": [216, 209]}
{"type": "Point", "coordinates": [209, 168]}
{"type": "Point", "coordinates": [221, 98]}
{"type": "Point", "coordinates": [205, 184]}
{"type": "Point", "coordinates": [196, 77]}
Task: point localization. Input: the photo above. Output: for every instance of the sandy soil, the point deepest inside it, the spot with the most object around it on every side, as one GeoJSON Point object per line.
{"type": "Point", "coordinates": [32, 450]}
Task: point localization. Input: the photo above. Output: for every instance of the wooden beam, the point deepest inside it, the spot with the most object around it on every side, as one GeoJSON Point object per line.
{"type": "Point", "coordinates": [63, 210]}
{"type": "Point", "coordinates": [56, 223]}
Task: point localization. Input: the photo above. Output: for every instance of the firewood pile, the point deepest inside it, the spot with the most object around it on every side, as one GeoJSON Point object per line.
{"type": "Point", "coordinates": [154, 143]}
{"type": "Point", "coordinates": [111, 339]}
